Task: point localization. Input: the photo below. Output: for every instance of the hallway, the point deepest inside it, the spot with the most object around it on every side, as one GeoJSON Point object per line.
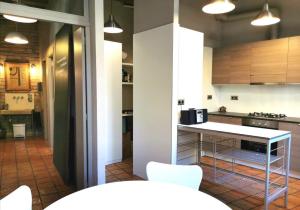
{"type": "Point", "coordinates": [29, 162]}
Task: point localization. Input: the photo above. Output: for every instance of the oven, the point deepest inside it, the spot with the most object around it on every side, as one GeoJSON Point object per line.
{"type": "Point", "coordinates": [256, 146]}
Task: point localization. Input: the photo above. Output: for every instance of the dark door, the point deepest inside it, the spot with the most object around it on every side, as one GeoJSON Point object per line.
{"type": "Point", "coordinates": [64, 107]}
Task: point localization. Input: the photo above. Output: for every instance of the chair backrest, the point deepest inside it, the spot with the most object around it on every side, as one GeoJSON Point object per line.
{"type": "Point", "coordinates": [20, 199]}
{"type": "Point", "coordinates": [186, 175]}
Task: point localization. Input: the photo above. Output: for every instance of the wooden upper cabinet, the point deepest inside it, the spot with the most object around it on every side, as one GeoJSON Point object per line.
{"type": "Point", "coordinates": [269, 61]}
{"type": "Point", "coordinates": [240, 63]}
{"type": "Point", "coordinates": [220, 69]}
{"type": "Point", "coordinates": [231, 65]}
{"type": "Point", "coordinates": [293, 70]}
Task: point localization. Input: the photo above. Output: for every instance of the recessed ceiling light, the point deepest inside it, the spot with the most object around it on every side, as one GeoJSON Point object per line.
{"type": "Point", "coordinates": [265, 17]}
{"type": "Point", "coordinates": [16, 38]}
{"type": "Point", "coordinates": [20, 19]}
{"type": "Point", "coordinates": [218, 7]}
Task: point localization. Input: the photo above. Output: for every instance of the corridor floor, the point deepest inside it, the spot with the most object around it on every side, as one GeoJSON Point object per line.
{"type": "Point", "coordinates": [29, 162]}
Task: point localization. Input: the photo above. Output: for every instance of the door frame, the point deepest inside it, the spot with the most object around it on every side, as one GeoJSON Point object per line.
{"type": "Point", "coordinates": [92, 22]}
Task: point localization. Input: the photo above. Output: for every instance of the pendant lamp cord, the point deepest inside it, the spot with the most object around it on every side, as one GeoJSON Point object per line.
{"type": "Point", "coordinates": [111, 7]}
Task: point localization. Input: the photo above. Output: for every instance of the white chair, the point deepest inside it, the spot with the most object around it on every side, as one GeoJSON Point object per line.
{"type": "Point", "coordinates": [20, 199]}
{"type": "Point", "coordinates": [186, 175]}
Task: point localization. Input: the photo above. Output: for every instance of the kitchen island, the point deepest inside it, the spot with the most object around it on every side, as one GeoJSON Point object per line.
{"type": "Point", "coordinates": [225, 147]}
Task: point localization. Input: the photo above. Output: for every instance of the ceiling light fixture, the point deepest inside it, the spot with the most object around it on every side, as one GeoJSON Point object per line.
{"type": "Point", "coordinates": [265, 17]}
{"type": "Point", "coordinates": [16, 38]}
{"type": "Point", "coordinates": [218, 7]}
{"type": "Point", "coordinates": [20, 19]}
{"type": "Point", "coordinates": [111, 26]}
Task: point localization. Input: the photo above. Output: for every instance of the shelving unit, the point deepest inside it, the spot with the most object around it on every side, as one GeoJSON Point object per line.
{"type": "Point", "coordinates": [127, 113]}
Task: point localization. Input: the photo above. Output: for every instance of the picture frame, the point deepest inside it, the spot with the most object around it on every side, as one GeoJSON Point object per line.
{"type": "Point", "coordinates": [17, 76]}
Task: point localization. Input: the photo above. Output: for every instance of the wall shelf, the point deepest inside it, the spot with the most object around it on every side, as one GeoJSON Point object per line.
{"type": "Point", "coordinates": [127, 83]}
{"type": "Point", "coordinates": [127, 64]}
{"type": "Point", "coordinates": [127, 115]}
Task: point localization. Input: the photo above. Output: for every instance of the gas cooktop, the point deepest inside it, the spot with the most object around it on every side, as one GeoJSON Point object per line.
{"type": "Point", "coordinates": [266, 115]}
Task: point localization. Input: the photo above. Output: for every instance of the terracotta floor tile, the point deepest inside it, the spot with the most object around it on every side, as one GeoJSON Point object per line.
{"type": "Point", "coordinates": [29, 162]}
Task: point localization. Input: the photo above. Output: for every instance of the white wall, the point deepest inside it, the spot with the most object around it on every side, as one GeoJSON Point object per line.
{"type": "Point", "coordinates": [208, 88]}
{"type": "Point", "coordinates": [153, 105]}
{"type": "Point", "coordinates": [113, 101]}
{"type": "Point", "coordinates": [190, 87]}
{"type": "Point", "coordinates": [263, 98]}
{"type": "Point", "coordinates": [190, 71]}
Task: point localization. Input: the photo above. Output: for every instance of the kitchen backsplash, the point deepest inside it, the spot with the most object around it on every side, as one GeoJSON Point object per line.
{"type": "Point", "coordinates": [266, 98]}
{"type": "Point", "coordinates": [261, 98]}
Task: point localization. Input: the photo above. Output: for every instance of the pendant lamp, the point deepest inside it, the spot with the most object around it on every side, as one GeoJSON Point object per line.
{"type": "Point", "coordinates": [16, 37]}
{"type": "Point", "coordinates": [111, 26]}
{"type": "Point", "coordinates": [265, 17]}
{"type": "Point", "coordinates": [218, 7]}
{"type": "Point", "coordinates": [19, 18]}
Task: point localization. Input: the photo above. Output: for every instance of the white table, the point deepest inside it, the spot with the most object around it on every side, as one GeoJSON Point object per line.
{"type": "Point", "coordinates": [261, 135]}
{"type": "Point", "coordinates": [138, 195]}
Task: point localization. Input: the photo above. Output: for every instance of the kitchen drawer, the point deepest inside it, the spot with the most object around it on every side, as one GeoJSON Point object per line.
{"type": "Point", "coordinates": [295, 147]}
{"type": "Point", "coordinates": [225, 119]}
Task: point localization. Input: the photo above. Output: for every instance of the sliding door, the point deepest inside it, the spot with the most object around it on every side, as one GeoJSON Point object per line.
{"type": "Point", "coordinates": [64, 105]}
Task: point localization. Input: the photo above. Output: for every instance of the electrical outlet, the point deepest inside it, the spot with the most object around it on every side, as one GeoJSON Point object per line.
{"type": "Point", "coordinates": [209, 97]}
{"type": "Point", "coordinates": [180, 102]}
{"type": "Point", "coordinates": [234, 98]}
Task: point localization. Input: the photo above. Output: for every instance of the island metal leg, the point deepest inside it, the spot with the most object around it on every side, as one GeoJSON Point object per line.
{"type": "Point", "coordinates": [287, 167]}
{"type": "Point", "coordinates": [267, 179]}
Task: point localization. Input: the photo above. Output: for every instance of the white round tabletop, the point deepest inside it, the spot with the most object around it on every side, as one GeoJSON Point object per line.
{"type": "Point", "coordinates": [138, 195]}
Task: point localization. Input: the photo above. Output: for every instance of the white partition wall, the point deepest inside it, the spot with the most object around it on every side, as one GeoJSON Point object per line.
{"type": "Point", "coordinates": [113, 101]}
{"type": "Point", "coordinates": [190, 73]}
{"type": "Point", "coordinates": [168, 64]}
{"type": "Point", "coordinates": [190, 86]}
{"type": "Point", "coordinates": [153, 97]}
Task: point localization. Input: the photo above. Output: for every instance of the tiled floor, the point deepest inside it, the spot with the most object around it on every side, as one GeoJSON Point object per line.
{"type": "Point", "coordinates": [120, 172]}
{"type": "Point", "coordinates": [231, 195]}
{"type": "Point", "coordinates": [29, 162]}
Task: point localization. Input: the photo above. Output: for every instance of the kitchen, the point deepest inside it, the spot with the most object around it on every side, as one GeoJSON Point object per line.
{"type": "Point", "coordinates": [247, 70]}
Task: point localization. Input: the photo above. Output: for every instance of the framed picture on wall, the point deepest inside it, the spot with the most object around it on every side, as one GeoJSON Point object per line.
{"type": "Point", "coordinates": [17, 76]}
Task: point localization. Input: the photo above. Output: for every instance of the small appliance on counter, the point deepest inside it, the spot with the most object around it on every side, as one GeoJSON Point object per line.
{"type": "Point", "coordinates": [222, 109]}
{"type": "Point", "coordinates": [193, 116]}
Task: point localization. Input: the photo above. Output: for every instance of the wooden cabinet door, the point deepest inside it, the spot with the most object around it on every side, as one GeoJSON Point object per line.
{"type": "Point", "coordinates": [269, 61]}
{"type": "Point", "coordinates": [295, 147]}
{"type": "Point", "coordinates": [240, 63]}
{"type": "Point", "coordinates": [220, 69]}
{"type": "Point", "coordinates": [293, 71]}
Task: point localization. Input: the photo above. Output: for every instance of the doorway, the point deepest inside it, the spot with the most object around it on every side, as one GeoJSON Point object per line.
{"type": "Point", "coordinates": [29, 157]}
